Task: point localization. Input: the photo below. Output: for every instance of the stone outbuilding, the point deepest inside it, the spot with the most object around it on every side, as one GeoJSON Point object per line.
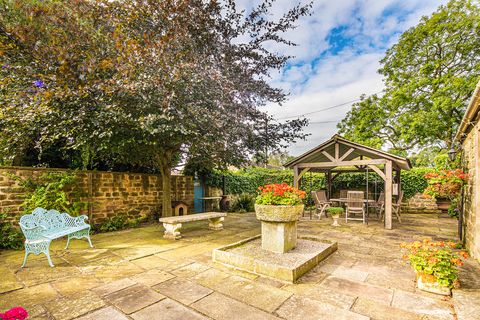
{"type": "Point", "coordinates": [468, 137]}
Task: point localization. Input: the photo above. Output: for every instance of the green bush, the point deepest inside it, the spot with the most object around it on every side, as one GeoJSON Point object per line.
{"type": "Point", "coordinates": [10, 236]}
{"type": "Point", "coordinates": [244, 202]}
{"type": "Point", "coordinates": [117, 223]}
{"type": "Point", "coordinates": [335, 210]}
{"type": "Point", "coordinates": [53, 190]}
{"type": "Point", "coordinates": [249, 179]}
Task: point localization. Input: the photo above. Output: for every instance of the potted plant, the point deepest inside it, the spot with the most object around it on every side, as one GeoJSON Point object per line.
{"type": "Point", "coordinates": [445, 186]}
{"type": "Point", "coordinates": [278, 207]}
{"type": "Point", "coordinates": [435, 263]}
{"type": "Point", "coordinates": [335, 212]}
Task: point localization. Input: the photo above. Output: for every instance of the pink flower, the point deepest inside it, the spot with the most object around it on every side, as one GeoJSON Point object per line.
{"type": "Point", "coordinates": [17, 313]}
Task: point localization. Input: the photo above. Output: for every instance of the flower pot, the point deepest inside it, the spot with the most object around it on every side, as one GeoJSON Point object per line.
{"type": "Point", "coordinates": [429, 283]}
{"type": "Point", "coordinates": [335, 220]}
{"type": "Point", "coordinates": [279, 226]}
{"type": "Point", "coordinates": [443, 204]}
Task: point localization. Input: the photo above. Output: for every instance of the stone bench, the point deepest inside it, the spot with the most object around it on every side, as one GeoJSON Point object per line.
{"type": "Point", "coordinates": [173, 225]}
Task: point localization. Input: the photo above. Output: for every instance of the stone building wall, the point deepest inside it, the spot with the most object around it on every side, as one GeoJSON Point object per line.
{"type": "Point", "coordinates": [134, 195]}
{"type": "Point", "coordinates": [471, 217]}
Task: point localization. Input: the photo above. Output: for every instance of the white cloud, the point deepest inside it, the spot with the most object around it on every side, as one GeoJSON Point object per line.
{"type": "Point", "coordinates": [318, 78]}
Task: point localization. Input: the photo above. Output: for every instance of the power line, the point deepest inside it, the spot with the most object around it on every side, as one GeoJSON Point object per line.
{"type": "Point", "coordinates": [324, 109]}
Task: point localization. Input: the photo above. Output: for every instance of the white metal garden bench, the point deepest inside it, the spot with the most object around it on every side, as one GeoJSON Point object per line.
{"type": "Point", "coordinates": [42, 226]}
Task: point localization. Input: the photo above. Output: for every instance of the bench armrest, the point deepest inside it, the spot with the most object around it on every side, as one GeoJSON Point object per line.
{"type": "Point", "coordinates": [33, 233]}
{"type": "Point", "coordinates": [77, 221]}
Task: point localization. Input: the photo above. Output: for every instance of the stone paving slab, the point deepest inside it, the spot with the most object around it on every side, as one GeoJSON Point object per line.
{"type": "Point", "coordinates": [300, 308]}
{"type": "Point", "coordinates": [70, 307]}
{"type": "Point", "coordinates": [114, 286]}
{"type": "Point", "coordinates": [133, 298]}
{"type": "Point", "coordinates": [220, 307]}
{"type": "Point", "coordinates": [167, 309]}
{"type": "Point", "coordinates": [253, 293]}
{"type": "Point", "coordinates": [9, 281]}
{"type": "Point", "coordinates": [150, 262]}
{"type": "Point", "coordinates": [184, 291]}
{"type": "Point", "coordinates": [379, 311]}
{"type": "Point", "coordinates": [68, 286]}
{"type": "Point", "coordinates": [28, 296]}
{"type": "Point", "coordinates": [360, 289]}
{"type": "Point", "coordinates": [467, 303]}
{"type": "Point", "coordinates": [107, 313]}
{"type": "Point", "coordinates": [190, 270]}
{"type": "Point", "coordinates": [422, 305]}
{"type": "Point", "coordinates": [152, 277]}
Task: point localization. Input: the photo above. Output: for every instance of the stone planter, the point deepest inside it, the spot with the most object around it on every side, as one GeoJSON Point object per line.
{"type": "Point", "coordinates": [335, 218]}
{"type": "Point", "coordinates": [429, 283]}
{"type": "Point", "coordinates": [279, 226]}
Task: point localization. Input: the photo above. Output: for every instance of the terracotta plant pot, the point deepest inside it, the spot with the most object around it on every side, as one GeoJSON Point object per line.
{"type": "Point", "coordinates": [443, 204]}
{"type": "Point", "coordinates": [279, 226]}
{"type": "Point", "coordinates": [429, 283]}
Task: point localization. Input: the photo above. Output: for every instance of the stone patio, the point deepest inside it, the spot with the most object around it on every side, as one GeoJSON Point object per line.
{"type": "Point", "coordinates": [136, 274]}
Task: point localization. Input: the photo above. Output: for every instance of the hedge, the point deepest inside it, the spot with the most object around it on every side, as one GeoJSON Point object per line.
{"type": "Point", "coordinates": [249, 179]}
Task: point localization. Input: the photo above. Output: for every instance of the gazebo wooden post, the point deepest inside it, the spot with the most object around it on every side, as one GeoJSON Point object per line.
{"type": "Point", "coordinates": [329, 183]}
{"type": "Point", "coordinates": [295, 176]}
{"type": "Point", "coordinates": [388, 194]}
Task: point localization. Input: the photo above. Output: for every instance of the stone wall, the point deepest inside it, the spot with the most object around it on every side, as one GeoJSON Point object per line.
{"type": "Point", "coordinates": [134, 195]}
{"type": "Point", "coordinates": [420, 203]}
{"type": "Point", "coordinates": [471, 216]}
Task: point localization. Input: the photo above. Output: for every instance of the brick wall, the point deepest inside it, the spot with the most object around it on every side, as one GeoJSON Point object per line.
{"type": "Point", "coordinates": [112, 193]}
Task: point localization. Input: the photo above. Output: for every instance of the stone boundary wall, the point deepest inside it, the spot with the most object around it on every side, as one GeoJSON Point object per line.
{"type": "Point", "coordinates": [134, 195]}
{"type": "Point", "coordinates": [420, 203]}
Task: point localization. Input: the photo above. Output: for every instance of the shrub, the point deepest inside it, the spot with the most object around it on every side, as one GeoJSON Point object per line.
{"type": "Point", "coordinates": [280, 194]}
{"type": "Point", "coordinates": [116, 223]}
{"type": "Point", "coordinates": [249, 179]}
{"type": "Point", "coordinates": [435, 261]}
{"type": "Point", "coordinates": [10, 236]}
{"type": "Point", "coordinates": [243, 203]}
{"type": "Point", "coordinates": [335, 210]}
{"type": "Point", "coordinates": [53, 190]}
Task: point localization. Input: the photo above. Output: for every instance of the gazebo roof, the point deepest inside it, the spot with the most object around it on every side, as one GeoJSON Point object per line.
{"type": "Point", "coordinates": [348, 150]}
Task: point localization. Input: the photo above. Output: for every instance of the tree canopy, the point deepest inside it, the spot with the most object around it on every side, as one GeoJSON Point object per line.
{"type": "Point", "coordinates": [140, 83]}
{"type": "Point", "coordinates": [429, 76]}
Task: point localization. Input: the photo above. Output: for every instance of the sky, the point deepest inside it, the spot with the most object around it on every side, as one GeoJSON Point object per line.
{"type": "Point", "coordinates": [337, 57]}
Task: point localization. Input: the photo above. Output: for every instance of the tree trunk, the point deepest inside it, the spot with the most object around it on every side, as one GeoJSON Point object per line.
{"type": "Point", "coordinates": [166, 172]}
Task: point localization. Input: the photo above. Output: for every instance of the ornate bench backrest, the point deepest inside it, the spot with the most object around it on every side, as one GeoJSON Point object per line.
{"type": "Point", "coordinates": [50, 220]}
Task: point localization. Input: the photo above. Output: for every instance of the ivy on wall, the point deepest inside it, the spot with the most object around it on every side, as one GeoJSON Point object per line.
{"type": "Point", "coordinates": [249, 179]}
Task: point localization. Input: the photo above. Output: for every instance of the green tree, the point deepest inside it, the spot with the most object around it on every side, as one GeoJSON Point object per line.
{"type": "Point", "coordinates": [429, 77]}
{"type": "Point", "coordinates": [148, 83]}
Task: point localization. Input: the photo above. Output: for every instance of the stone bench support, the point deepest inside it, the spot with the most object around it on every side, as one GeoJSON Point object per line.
{"type": "Point", "coordinates": [173, 225]}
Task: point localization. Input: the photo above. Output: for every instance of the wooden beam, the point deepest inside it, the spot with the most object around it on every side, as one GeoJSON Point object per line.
{"type": "Point", "coordinates": [326, 154]}
{"type": "Point", "coordinates": [377, 170]}
{"type": "Point", "coordinates": [388, 195]}
{"type": "Point", "coordinates": [302, 173]}
{"type": "Point", "coordinates": [342, 163]}
{"type": "Point", "coordinates": [329, 184]}
{"type": "Point", "coordinates": [346, 154]}
{"type": "Point", "coordinates": [337, 151]}
{"type": "Point", "coordinates": [295, 176]}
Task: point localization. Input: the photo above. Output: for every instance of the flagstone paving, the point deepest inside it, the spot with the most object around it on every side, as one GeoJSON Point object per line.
{"type": "Point", "coordinates": [137, 274]}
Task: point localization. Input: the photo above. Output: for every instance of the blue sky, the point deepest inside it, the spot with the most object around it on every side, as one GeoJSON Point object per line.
{"type": "Point", "coordinates": [337, 57]}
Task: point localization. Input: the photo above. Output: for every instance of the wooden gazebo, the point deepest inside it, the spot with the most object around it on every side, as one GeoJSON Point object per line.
{"type": "Point", "coordinates": [339, 152]}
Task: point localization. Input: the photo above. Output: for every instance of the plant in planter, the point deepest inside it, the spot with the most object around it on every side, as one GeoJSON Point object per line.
{"type": "Point", "coordinates": [445, 186]}
{"type": "Point", "coordinates": [435, 263]}
{"type": "Point", "coordinates": [335, 212]}
{"type": "Point", "coordinates": [278, 207]}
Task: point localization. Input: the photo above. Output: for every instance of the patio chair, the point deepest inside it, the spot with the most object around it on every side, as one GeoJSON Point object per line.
{"type": "Point", "coordinates": [396, 208]}
{"type": "Point", "coordinates": [378, 205]}
{"type": "Point", "coordinates": [343, 194]}
{"type": "Point", "coordinates": [355, 205]}
{"type": "Point", "coordinates": [321, 202]}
